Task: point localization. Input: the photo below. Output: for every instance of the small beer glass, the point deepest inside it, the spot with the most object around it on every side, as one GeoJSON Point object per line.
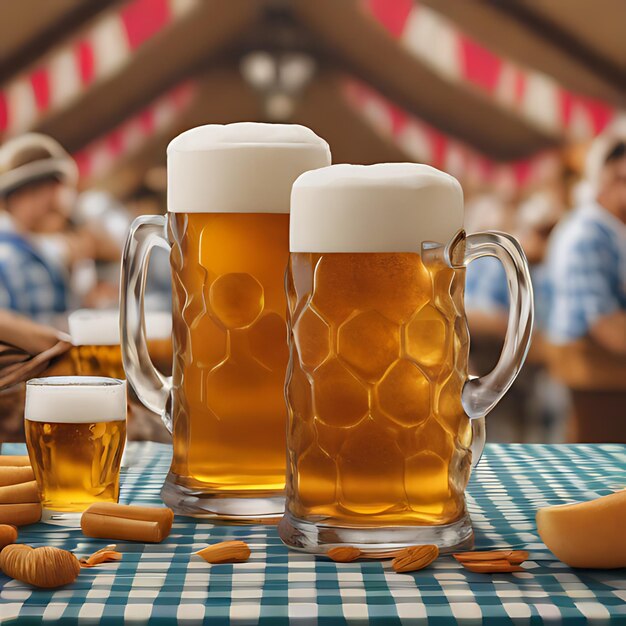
{"type": "Point", "coordinates": [75, 434]}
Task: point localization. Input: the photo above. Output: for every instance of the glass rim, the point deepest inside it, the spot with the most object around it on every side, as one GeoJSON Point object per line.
{"type": "Point", "coordinates": [94, 382]}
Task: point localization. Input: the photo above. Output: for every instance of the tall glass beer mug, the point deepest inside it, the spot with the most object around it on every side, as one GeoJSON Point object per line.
{"type": "Point", "coordinates": [75, 433]}
{"type": "Point", "coordinates": [384, 425]}
{"type": "Point", "coordinates": [228, 228]}
{"type": "Point", "coordinates": [95, 335]}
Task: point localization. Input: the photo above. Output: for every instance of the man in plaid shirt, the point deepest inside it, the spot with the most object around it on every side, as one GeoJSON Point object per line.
{"type": "Point", "coordinates": [28, 283]}
{"type": "Point", "coordinates": [33, 172]}
{"type": "Point", "coordinates": [586, 263]}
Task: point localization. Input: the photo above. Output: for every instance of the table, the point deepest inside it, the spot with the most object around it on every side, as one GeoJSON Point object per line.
{"type": "Point", "coordinates": [163, 584]}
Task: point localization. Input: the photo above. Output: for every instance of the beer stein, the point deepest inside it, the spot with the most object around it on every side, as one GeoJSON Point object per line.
{"type": "Point", "coordinates": [95, 335]}
{"type": "Point", "coordinates": [384, 425]}
{"type": "Point", "coordinates": [228, 229]}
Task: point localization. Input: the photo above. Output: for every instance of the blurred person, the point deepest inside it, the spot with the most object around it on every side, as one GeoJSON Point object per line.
{"type": "Point", "coordinates": [586, 272]}
{"type": "Point", "coordinates": [42, 252]}
{"type": "Point", "coordinates": [524, 416]}
{"type": "Point", "coordinates": [35, 174]}
{"type": "Point", "coordinates": [98, 210]}
{"type": "Point", "coordinates": [547, 401]}
{"type": "Point", "coordinates": [487, 295]}
{"type": "Point", "coordinates": [486, 303]}
{"type": "Point", "coordinates": [587, 255]}
{"type": "Point", "coordinates": [536, 218]}
{"type": "Point", "coordinates": [151, 201]}
{"type": "Point", "coordinates": [486, 291]}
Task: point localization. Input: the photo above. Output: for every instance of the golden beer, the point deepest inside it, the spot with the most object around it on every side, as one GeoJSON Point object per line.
{"type": "Point", "coordinates": [75, 433]}
{"type": "Point", "coordinates": [231, 350]}
{"type": "Point", "coordinates": [377, 430]}
{"type": "Point", "coordinates": [76, 464]}
{"type": "Point", "coordinates": [98, 360]}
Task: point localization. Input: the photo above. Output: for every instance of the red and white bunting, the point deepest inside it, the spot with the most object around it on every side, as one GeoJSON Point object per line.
{"type": "Point", "coordinates": [97, 158]}
{"type": "Point", "coordinates": [534, 96]}
{"type": "Point", "coordinates": [426, 144]}
{"type": "Point", "coordinates": [97, 53]}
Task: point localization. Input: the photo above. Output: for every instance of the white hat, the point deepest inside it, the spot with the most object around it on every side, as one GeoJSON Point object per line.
{"type": "Point", "coordinates": [601, 148]}
{"type": "Point", "coordinates": [32, 157]}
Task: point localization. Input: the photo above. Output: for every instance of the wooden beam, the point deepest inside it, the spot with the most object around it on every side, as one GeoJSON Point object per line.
{"type": "Point", "coordinates": [356, 41]}
{"type": "Point", "coordinates": [599, 25]}
{"type": "Point", "coordinates": [321, 108]}
{"type": "Point", "coordinates": [521, 33]}
{"type": "Point", "coordinates": [236, 102]}
{"type": "Point", "coordinates": [352, 140]}
{"type": "Point", "coordinates": [192, 42]}
{"type": "Point", "coordinates": [31, 27]}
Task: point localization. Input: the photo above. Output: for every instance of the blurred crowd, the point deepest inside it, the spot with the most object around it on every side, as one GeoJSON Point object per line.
{"type": "Point", "coordinates": [572, 227]}
{"type": "Point", "coordinates": [60, 250]}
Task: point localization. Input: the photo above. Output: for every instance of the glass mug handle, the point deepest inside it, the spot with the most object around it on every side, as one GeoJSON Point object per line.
{"type": "Point", "coordinates": [151, 387]}
{"type": "Point", "coordinates": [480, 395]}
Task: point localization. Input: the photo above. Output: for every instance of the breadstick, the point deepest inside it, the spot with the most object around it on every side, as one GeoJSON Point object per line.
{"type": "Point", "coordinates": [14, 461]}
{"type": "Point", "coordinates": [132, 523]}
{"type": "Point", "coordinates": [12, 475]}
{"type": "Point", "coordinates": [22, 493]}
{"type": "Point", "coordinates": [20, 514]}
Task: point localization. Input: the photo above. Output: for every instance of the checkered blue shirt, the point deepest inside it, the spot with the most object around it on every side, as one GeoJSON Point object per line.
{"type": "Point", "coordinates": [28, 283]}
{"type": "Point", "coordinates": [486, 288]}
{"type": "Point", "coordinates": [487, 291]}
{"type": "Point", "coordinates": [585, 271]}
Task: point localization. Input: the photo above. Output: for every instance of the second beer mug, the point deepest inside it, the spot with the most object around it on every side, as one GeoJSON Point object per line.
{"type": "Point", "coordinates": [382, 416]}
{"type": "Point", "coordinates": [95, 337]}
{"type": "Point", "coordinates": [227, 224]}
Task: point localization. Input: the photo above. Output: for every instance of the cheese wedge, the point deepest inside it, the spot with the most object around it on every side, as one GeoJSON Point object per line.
{"type": "Point", "coordinates": [587, 534]}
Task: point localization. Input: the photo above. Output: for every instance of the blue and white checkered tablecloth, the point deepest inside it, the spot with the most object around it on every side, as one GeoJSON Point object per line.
{"type": "Point", "coordinates": [165, 584]}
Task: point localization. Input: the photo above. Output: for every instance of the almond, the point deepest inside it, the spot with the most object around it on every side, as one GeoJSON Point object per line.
{"type": "Point", "coordinates": [496, 566]}
{"type": "Point", "coordinates": [225, 552]}
{"type": "Point", "coordinates": [514, 557]}
{"type": "Point", "coordinates": [344, 554]}
{"type": "Point", "coordinates": [8, 535]}
{"type": "Point", "coordinates": [415, 558]}
{"type": "Point", "coordinates": [104, 555]}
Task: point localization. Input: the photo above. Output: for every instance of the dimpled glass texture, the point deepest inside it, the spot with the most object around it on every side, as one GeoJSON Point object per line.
{"type": "Point", "coordinates": [230, 350]}
{"type": "Point", "coordinates": [377, 434]}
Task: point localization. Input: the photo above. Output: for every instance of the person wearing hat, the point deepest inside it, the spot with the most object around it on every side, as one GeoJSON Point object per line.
{"type": "Point", "coordinates": [525, 414]}
{"type": "Point", "coordinates": [587, 254]}
{"type": "Point", "coordinates": [35, 174]}
{"type": "Point", "coordinates": [41, 246]}
{"type": "Point", "coordinates": [586, 286]}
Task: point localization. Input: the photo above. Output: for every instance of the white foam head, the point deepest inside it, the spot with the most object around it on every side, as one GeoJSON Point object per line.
{"type": "Point", "coordinates": [101, 327]}
{"type": "Point", "coordinates": [75, 400]}
{"type": "Point", "coordinates": [246, 167]}
{"type": "Point", "coordinates": [387, 207]}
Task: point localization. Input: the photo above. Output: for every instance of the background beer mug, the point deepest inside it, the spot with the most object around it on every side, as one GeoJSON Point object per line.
{"type": "Point", "coordinates": [75, 434]}
{"type": "Point", "coordinates": [228, 225]}
{"type": "Point", "coordinates": [95, 335]}
{"type": "Point", "coordinates": [380, 433]}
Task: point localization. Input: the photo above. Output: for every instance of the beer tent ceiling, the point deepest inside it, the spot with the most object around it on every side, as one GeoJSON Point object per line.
{"type": "Point", "coordinates": [29, 27]}
{"type": "Point", "coordinates": [393, 79]}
